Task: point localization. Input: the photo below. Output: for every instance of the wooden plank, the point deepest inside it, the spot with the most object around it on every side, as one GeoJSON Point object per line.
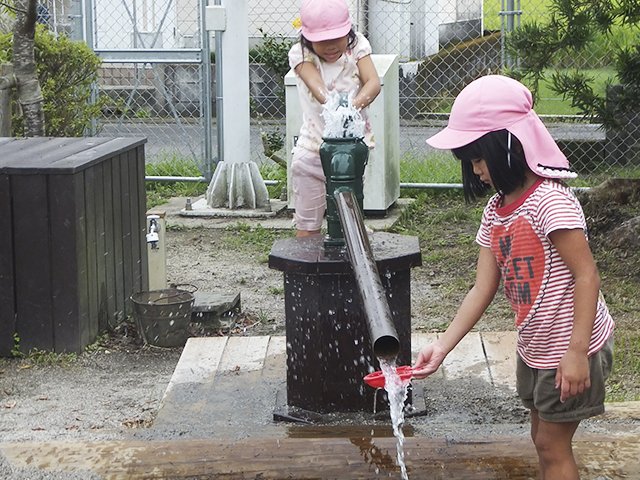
{"type": "Point", "coordinates": [125, 236]}
{"type": "Point", "coordinates": [137, 226]}
{"type": "Point", "coordinates": [244, 354]}
{"type": "Point", "coordinates": [141, 191]}
{"type": "Point", "coordinates": [100, 247]}
{"type": "Point", "coordinates": [109, 257]}
{"type": "Point", "coordinates": [621, 410]}
{"type": "Point", "coordinates": [118, 252]}
{"type": "Point", "coordinates": [91, 253]}
{"type": "Point", "coordinates": [68, 262]}
{"type": "Point", "coordinates": [38, 158]}
{"type": "Point", "coordinates": [500, 349]}
{"type": "Point", "coordinates": [15, 147]}
{"type": "Point", "coordinates": [199, 360]}
{"type": "Point", "coordinates": [7, 298]}
{"type": "Point", "coordinates": [492, 458]}
{"type": "Point", "coordinates": [101, 149]}
{"type": "Point", "coordinates": [34, 310]}
{"type": "Point", "coordinates": [467, 359]}
{"type": "Point", "coordinates": [61, 155]}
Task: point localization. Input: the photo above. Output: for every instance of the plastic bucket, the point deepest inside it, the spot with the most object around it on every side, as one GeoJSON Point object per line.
{"type": "Point", "coordinates": [163, 316]}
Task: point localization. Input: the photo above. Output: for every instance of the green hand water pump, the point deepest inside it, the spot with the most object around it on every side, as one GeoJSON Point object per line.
{"type": "Point", "coordinates": [343, 162]}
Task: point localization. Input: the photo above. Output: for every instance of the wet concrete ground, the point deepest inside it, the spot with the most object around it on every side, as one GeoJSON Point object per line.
{"type": "Point", "coordinates": [216, 421]}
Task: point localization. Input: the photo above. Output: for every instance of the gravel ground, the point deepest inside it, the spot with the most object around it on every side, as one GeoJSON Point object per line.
{"type": "Point", "coordinates": [115, 390]}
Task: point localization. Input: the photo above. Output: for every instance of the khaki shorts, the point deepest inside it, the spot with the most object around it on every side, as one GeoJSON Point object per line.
{"type": "Point", "coordinates": [309, 189]}
{"type": "Point", "coordinates": [537, 391]}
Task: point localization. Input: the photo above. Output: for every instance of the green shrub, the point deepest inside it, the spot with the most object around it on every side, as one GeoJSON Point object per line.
{"type": "Point", "coordinates": [66, 71]}
{"type": "Point", "coordinates": [274, 53]}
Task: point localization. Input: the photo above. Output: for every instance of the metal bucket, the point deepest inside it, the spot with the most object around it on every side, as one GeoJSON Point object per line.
{"type": "Point", "coordinates": [163, 316]}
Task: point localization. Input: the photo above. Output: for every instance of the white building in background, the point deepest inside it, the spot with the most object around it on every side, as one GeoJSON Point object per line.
{"type": "Point", "coordinates": [125, 24]}
{"type": "Point", "coordinates": [412, 29]}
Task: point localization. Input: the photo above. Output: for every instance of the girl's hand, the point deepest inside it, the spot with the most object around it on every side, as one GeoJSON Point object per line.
{"type": "Point", "coordinates": [573, 375]}
{"type": "Point", "coordinates": [428, 361]}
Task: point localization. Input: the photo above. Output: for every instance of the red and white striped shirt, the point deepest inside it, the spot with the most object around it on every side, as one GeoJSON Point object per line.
{"type": "Point", "coordinates": [538, 284]}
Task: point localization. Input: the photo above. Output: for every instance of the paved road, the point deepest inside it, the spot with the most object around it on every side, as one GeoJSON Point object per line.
{"type": "Point", "coordinates": [169, 140]}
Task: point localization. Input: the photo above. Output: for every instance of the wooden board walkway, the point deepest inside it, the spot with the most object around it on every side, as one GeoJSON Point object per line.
{"type": "Point", "coordinates": [489, 355]}
{"type": "Point", "coordinates": [512, 458]}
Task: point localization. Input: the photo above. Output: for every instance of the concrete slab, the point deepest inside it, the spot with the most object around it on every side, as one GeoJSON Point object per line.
{"type": "Point", "coordinates": [499, 349]}
{"type": "Point", "coordinates": [175, 214]}
{"type": "Point", "coordinates": [200, 209]}
{"type": "Point", "coordinates": [211, 307]}
{"type": "Point", "coordinates": [467, 359]}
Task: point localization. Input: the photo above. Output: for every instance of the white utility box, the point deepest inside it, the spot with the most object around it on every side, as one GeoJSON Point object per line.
{"type": "Point", "coordinates": [382, 175]}
{"type": "Point", "coordinates": [156, 249]}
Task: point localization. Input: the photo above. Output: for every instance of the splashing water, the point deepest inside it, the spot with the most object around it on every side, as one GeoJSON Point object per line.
{"type": "Point", "coordinates": [341, 119]}
{"type": "Point", "coordinates": [396, 390]}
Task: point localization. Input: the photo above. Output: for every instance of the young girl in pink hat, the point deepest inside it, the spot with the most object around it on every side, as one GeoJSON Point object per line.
{"type": "Point", "coordinates": [533, 238]}
{"type": "Point", "coordinates": [330, 57]}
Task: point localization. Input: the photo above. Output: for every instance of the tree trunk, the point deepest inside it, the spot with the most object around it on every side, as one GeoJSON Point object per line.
{"type": "Point", "coordinates": [24, 67]}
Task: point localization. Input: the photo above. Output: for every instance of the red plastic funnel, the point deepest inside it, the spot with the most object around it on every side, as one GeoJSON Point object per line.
{"type": "Point", "coordinates": [376, 379]}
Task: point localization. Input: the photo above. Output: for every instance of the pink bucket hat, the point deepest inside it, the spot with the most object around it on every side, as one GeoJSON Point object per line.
{"type": "Point", "coordinates": [324, 19]}
{"type": "Point", "coordinates": [496, 102]}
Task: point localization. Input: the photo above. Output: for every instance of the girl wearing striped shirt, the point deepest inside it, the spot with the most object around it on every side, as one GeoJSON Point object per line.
{"type": "Point", "coordinates": [532, 238]}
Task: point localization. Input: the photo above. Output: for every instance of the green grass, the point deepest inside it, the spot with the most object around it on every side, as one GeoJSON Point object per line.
{"type": "Point", "coordinates": [441, 167]}
{"type": "Point", "coordinates": [549, 103]}
{"type": "Point", "coordinates": [273, 171]}
{"type": "Point", "coordinates": [257, 240]}
{"type": "Point", "coordinates": [435, 167]}
{"type": "Point", "coordinates": [624, 383]}
{"type": "Point", "coordinates": [160, 192]}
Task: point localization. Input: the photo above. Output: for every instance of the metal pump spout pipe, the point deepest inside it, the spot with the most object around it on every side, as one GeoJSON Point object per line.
{"type": "Point", "coordinates": [382, 331]}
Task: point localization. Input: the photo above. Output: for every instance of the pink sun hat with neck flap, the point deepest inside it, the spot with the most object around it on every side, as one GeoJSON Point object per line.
{"type": "Point", "coordinates": [324, 19]}
{"type": "Point", "coordinates": [496, 102]}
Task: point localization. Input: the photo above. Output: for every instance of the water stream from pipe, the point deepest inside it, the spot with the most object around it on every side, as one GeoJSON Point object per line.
{"type": "Point", "coordinates": [396, 390]}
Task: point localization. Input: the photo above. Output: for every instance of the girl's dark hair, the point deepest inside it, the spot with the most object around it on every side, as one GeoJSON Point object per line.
{"type": "Point", "coordinates": [353, 39]}
{"type": "Point", "coordinates": [493, 149]}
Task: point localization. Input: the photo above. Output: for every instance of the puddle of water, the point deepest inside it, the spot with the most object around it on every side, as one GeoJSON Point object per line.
{"type": "Point", "coordinates": [352, 432]}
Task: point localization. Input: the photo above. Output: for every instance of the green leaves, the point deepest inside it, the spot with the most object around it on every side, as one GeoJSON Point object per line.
{"type": "Point", "coordinates": [66, 71]}
{"type": "Point", "coordinates": [578, 36]}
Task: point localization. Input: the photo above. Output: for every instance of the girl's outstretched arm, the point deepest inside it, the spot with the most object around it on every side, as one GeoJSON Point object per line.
{"type": "Point", "coordinates": [370, 83]}
{"type": "Point", "coordinates": [312, 79]}
{"type": "Point", "coordinates": [573, 372]}
{"type": "Point", "coordinates": [470, 311]}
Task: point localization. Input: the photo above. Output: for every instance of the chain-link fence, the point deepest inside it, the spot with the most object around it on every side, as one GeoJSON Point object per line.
{"type": "Point", "coordinates": [442, 46]}
{"type": "Point", "coordinates": [158, 75]}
